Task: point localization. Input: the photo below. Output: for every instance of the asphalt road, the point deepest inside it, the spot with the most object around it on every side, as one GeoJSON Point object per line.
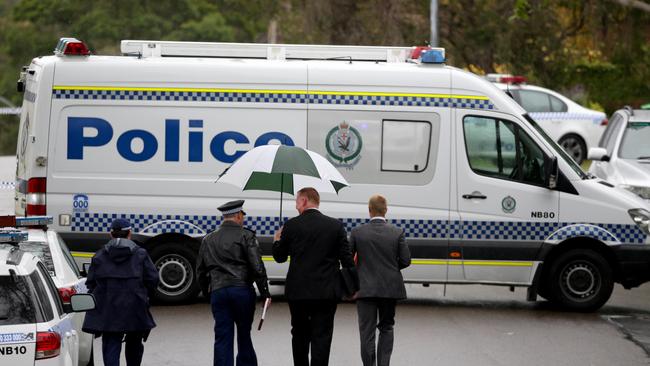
{"type": "Point", "coordinates": [467, 325]}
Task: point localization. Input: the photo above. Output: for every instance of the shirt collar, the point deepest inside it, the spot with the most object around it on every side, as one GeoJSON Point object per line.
{"type": "Point", "coordinates": [378, 218]}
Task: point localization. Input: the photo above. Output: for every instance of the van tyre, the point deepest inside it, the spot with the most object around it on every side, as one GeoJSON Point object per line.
{"type": "Point", "coordinates": [580, 280]}
{"type": "Point", "coordinates": [176, 265]}
{"type": "Point", "coordinates": [575, 146]}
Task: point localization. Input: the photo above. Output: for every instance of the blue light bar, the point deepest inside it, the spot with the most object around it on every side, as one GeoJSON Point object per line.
{"type": "Point", "coordinates": [13, 236]}
{"type": "Point", "coordinates": [433, 56]}
{"type": "Point", "coordinates": [34, 221]}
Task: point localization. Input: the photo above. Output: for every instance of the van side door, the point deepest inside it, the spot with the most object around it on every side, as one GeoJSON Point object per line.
{"type": "Point", "coordinates": [505, 209]}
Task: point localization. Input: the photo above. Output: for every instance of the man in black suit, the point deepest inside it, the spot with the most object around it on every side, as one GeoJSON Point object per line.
{"type": "Point", "coordinates": [316, 244]}
{"type": "Point", "coordinates": [381, 253]}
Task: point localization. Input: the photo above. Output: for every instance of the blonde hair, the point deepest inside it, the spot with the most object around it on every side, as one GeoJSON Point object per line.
{"type": "Point", "coordinates": [311, 194]}
{"type": "Point", "coordinates": [377, 205]}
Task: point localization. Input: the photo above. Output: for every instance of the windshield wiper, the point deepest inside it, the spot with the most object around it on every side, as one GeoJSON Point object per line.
{"type": "Point", "coordinates": [643, 158]}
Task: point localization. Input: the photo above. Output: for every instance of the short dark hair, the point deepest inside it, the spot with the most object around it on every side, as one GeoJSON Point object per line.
{"type": "Point", "coordinates": [311, 194]}
{"type": "Point", "coordinates": [120, 233]}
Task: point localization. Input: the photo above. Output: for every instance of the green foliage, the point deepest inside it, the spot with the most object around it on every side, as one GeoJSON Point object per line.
{"type": "Point", "coordinates": [597, 52]}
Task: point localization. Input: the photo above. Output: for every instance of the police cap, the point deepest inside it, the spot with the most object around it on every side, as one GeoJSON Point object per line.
{"type": "Point", "coordinates": [232, 207]}
{"type": "Point", "coordinates": [120, 225]}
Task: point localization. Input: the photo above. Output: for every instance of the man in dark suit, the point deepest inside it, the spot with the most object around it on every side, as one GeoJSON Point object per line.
{"type": "Point", "coordinates": [381, 253]}
{"type": "Point", "coordinates": [316, 244]}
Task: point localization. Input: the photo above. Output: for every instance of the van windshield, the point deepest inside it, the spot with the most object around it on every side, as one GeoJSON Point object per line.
{"type": "Point", "coordinates": [560, 151]}
{"type": "Point", "coordinates": [16, 303]}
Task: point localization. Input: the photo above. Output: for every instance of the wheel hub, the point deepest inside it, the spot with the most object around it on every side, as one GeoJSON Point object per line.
{"type": "Point", "coordinates": [579, 280]}
{"type": "Point", "coordinates": [175, 274]}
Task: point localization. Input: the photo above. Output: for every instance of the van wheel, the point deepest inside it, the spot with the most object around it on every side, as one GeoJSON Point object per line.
{"type": "Point", "coordinates": [580, 280]}
{"type": "Point", "coordinates": [575, 146]}
{"type": "Point", "coordinates": [176, 269]}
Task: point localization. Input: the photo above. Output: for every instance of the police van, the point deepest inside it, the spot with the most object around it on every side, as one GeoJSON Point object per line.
{"type": "Point", "coordinates": [35, 328]}
{"type": "Point", "coordinates": [483, 194]}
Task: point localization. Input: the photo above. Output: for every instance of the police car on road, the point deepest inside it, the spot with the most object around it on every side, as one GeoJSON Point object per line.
{"type": "Point", "coordinates": [34, 327]}
{"type": "Point", "coordinates": [573, 126]}
{"type": "Point", "coordinates": [51, 250]}
{"type": "Point", "coordinates": [623, 154]}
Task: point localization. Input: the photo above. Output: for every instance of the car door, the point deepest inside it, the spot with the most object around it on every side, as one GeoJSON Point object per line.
{"type": "Point", "coordinates": [64, 322]}
{"type": "Point", "coordinates": [505, 210]}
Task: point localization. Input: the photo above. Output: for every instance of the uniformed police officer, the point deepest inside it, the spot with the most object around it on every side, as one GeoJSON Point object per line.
{"type": "Point", "coordinates": [229, 262]}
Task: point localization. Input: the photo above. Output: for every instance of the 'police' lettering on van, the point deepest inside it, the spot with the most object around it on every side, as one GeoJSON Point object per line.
{"type": "Point", "coordinates": [80, 138]}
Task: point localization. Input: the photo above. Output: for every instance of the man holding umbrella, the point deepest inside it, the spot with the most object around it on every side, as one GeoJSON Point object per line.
{"type": "Point", "coordinates": [316, 244]}
{"type": "Point", "coordinates": [228, 264]}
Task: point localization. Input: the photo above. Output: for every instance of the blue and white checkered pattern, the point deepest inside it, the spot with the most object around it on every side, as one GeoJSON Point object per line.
{"type": "Point", "coordinates": [595, 118]}
{"type": "Point", "coordinates": [270, 97]}
{"type": "Point", "coordinates": [7, 186]}
{"type": "Point", "coordinates": [185, 96]}
{"type": "Point", "coordinates": [470, 230]}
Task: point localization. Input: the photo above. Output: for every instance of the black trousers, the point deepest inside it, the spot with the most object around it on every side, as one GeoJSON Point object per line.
{"type": "Point", "coordinates": [112, 347]}
{"type": "Point", "coordinates": [376, 314]}
{"type": "Point", "coordinates": [312, 325]}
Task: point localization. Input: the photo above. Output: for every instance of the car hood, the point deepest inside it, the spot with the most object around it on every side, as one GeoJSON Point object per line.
{"type": "Point", "coordinates": [633, 172]}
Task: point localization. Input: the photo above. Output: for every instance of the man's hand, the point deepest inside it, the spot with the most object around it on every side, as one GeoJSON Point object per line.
{"type": "Point", "coordinates": [278, 234]}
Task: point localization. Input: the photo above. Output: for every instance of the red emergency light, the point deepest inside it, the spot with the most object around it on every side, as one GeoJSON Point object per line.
{"type": "Point", "coordinates": [71, 47]}
{"type": "Point", "coordinates": [512, 79]}
{"type": "Point", "coordinates": [417, 51]}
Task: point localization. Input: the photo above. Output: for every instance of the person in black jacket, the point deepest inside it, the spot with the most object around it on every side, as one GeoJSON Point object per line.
{"type": "Point", "coordinates": [228, 264]}
{"type": "Point", "coordinates": [381, 252]}
{"type": "Point", "coordinates": [122, 278]}
{"type": "Point", "coordinates": [316, 244]}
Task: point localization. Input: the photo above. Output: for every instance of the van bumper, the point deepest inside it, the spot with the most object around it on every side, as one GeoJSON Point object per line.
{"type": "Point", "coordinates": [633, 264]}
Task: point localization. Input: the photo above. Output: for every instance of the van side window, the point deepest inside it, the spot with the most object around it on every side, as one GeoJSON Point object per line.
{"type": "Point", "coordinates": [405, 145]}
{"type": "Point", "coordinates": [501, 149]}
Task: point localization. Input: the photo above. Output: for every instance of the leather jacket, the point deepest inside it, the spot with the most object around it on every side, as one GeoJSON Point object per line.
{"type": "Point", "coordinates": [230, 256]}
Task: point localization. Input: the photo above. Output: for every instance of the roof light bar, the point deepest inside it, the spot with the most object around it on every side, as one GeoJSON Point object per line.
{"type": "Point", "coordinates": [433, 56]}
{"type": "Point", "coordinates": [506, 78]}
{"type": "Point", "coordinates": [34, 221]}
{"type": "Point", "coordinates": [13, 236]}
{"type": "Point", "coordinates": [71, 47]}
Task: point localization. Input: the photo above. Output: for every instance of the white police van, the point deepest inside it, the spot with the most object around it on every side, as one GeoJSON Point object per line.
{"type": "Point", "coordinates": [483, 194]}
{"type": "Point", "coordinates": [34, 328]}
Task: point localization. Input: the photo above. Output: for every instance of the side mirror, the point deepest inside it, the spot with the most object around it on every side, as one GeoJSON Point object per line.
{"type": "Point", "coordinates": [550, 170]}
{"type": "Point", "coordinates": [82, 302]}
{"type": "Point", "coordinates": [598, 154]}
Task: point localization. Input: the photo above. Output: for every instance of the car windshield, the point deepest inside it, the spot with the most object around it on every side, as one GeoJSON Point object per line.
{"type": "Point", "coordinates": [635, 143]}
{"type": "Point", "coordinates": [560, 151]}
{"type": "Point", "coordinates": [16, 304]}
{"type": "Point", "coordinates": [42, 251]}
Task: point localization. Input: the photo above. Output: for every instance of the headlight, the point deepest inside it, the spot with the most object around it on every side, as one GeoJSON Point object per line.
{"type": "Point", "coordinates": [641, 218]}
{"type": "Point", "coordinates": [643, 192]}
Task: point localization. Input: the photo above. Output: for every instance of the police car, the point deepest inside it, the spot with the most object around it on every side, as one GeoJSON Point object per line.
{"type": "Point", "coordinates": [573, 126]}
{"type": "Point", "coordinates": [51, 250]}
{"type": "Point", "coordinates": [34, 327]}
{"type": "Point", "coordinates": [483, 194]}
{"type": "Point", "coordinates": [623, 154]}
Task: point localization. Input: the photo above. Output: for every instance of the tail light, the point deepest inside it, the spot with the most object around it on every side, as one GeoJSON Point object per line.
{"type": "Point", "coordinates": [604, 122]}
{"type": "Point", "coordinates": [66, 293]}
{"type": "Point", "coordinates": [48, 345]}
{"type": "Point", "coordinates": [36, 197]}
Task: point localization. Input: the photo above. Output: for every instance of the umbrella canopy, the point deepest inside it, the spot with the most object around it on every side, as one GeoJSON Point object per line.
{"type": "Point", "coordinates": [282, 168]}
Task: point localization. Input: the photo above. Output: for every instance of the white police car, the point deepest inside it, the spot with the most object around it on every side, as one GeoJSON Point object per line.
{"type": "Point", "coordinates": [623, 154]}
{"type": "Point", "coordinates": [53, 253]}
{"type": "Point", "coordinates": [574, 127]}
{"type": "Point", "coordinates": [34, 328]}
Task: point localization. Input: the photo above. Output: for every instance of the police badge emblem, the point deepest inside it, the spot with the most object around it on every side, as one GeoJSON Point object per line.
{"type": "Point", "coordinates": [343, 144]}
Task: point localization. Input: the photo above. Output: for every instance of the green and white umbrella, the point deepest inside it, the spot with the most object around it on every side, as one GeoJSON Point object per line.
{"type": "Point", "coordinates": [284, 169]}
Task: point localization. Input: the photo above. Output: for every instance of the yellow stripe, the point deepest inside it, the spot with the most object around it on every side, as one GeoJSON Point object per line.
{"type": "Point", "coordinates": [82, 254]}
{"type": "Point", "coordinates": [441, 262]}
{"type": "Point", "coordinates": [268, 91]}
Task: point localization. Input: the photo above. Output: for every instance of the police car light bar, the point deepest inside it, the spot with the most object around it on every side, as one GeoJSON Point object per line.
{"type": "Point", "coordinates": [71, 47]}
{"type": "Point", "coordinates": [506, 78]}
{"type": "Point", "coordinates": [264, 51]}
{"type": "Point", "coordinates": [12, 236]}
{"type": "Point", "coordinates": [13, 221]}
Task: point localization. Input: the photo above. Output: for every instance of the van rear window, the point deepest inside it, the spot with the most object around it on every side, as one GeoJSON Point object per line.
{"type": "Point", "coordinates": [16, 303]}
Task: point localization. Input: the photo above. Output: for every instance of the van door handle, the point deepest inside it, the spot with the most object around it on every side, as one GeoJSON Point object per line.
{"type": "Point", "coordinates": [474, 196]}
